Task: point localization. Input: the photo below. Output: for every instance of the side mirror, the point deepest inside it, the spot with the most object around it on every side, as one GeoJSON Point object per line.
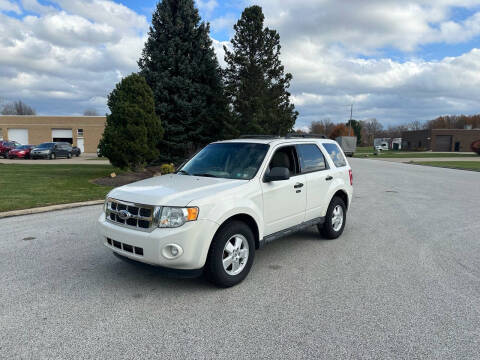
{"type": "Point", "coordinates": [277, 174]}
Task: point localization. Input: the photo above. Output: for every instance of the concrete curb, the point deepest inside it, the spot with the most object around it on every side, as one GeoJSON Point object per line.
{"type": "Point", "coordinates": [48, 208]}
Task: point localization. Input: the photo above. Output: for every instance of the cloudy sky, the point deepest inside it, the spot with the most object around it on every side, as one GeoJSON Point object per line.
{"type": "Point", "coordinates": [395, 60]}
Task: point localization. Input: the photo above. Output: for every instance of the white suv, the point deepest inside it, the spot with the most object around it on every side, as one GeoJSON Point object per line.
{"type": "Point", "coordinates": [230, 199]}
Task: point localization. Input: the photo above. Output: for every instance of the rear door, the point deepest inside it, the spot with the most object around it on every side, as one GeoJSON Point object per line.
{"type": "Point", "coordinates": [283, 201]}
{"type": "Point", "coordinates": [318, 178]}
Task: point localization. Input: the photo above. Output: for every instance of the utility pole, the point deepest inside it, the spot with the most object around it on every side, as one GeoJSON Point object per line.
{"type": "Point", "coordinates": [351, 118]}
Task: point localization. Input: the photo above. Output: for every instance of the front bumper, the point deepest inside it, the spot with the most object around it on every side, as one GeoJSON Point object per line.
{"type": "Point", "coordinates": [193, 238]}
{"type": "Point", "coordinates": [39, 156]}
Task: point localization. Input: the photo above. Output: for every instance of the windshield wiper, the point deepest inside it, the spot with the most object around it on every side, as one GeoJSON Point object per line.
{"type": "Point", "coordinates": [183, 172]}
{"type": "Point", "coordinates": [205, 174]}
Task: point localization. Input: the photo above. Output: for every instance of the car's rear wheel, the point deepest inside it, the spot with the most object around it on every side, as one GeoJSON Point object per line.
{"type": "Point", "coordinates": [231, 254]}
{"type": "Point", "coordinates": [335, 219]}
{"type": "Point", "coordinates": [52, 156]}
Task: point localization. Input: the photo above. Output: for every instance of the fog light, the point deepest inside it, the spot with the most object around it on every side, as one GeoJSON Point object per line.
{"type": "Point", "coordinates": [172, 251]}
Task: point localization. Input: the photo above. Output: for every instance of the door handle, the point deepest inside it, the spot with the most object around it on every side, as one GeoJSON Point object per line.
{"type": "Point", "coordinates": [328, 178]}
{"type": "Point", "coordinates": [298, 185]}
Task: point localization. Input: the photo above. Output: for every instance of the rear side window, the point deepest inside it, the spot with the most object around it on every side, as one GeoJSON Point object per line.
{"type": "Point", "coordinates": [311, 158]}
{"type": "Point", "coordinates": [336, 155]}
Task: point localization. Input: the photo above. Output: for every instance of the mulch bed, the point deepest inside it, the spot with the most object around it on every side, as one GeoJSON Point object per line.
{"type": "Point", "coordinates": [128, 177]}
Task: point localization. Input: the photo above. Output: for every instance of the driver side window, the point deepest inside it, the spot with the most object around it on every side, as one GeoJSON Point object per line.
{"type": "Point", "coordinates": [285, 157]}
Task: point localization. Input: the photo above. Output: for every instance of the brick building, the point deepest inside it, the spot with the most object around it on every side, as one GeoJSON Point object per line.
{"type": "Point", "coordinates": [82, 131]}
{"type": "Point", "coordinates": [440, 139]}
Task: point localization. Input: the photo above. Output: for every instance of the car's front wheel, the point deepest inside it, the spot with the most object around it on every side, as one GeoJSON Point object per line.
{"type": "Point", "coordinates": [231, 254]}
{"type": "Point", "coordinates": [335, 219]}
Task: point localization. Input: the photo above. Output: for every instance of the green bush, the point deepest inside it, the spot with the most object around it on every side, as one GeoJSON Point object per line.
{"type": "Point", "coordinates": [167, 169]}
{"type": "Point", "coordinates": [133, 130]}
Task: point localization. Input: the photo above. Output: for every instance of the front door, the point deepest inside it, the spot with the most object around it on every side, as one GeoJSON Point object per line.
{"type": "Point", "coordinates": [284, 201]}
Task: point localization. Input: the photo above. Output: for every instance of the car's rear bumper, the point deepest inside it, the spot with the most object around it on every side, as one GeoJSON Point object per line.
{"type": "Point", "coordinates": [193, 239]}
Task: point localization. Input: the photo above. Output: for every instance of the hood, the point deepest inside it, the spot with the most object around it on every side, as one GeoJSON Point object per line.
{"type": "Point", "coordinates": [173, 189]}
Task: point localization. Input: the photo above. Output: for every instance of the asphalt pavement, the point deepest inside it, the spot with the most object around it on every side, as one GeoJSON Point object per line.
{"type": "Point", "coordinates": [402, 282]}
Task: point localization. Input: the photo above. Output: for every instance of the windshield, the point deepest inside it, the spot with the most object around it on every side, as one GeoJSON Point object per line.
{"type": "Point", "coordinates": [227, 160]}
{"type": "Point", "coordinates": [46, 145]}
{"type": "Point", "coordinates": [23, 147]}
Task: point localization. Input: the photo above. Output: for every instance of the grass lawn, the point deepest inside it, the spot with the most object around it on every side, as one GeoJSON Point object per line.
{"type": "Point", "coordinates": [402, 154]}
{"type": "Point", "coordinates": [463, 165]}
{"type": "Point", "coordinates": [364, 149]}
{"type": "Point", "coordinates": [28, 186]}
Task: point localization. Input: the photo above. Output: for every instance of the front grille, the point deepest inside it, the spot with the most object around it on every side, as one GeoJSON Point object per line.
{"type": "Point", "coordinates": [135, 216]}
{"type": "Point", "coordinates": [125, 247]}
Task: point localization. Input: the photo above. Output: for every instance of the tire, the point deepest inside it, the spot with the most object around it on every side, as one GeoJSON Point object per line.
{"type": "Point", "coordinates": [69, 156]}
{"type": "Point", "coordinates": [77, 154]}
{"type": "Point", "coordinates": [330, 229]}
{"type": "Point", "coordinates": [52, 156]}
{"type": "Point", "coordinates": [241, 238]}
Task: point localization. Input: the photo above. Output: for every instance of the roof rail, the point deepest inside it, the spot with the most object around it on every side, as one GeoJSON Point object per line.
{"type": "Point", "coordinates": [259, 137]}
{"type": "Point", "coordinates": [306, 136]}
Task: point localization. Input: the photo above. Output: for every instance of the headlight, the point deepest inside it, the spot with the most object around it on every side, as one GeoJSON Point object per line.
{"type": "Point", "coordinates": [172, 217]}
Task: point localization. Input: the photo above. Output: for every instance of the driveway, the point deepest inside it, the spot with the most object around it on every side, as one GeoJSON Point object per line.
{"type": "Point", "coordinates": [85, 159]}
{"type": "Point", "coordinates": [402, 282]}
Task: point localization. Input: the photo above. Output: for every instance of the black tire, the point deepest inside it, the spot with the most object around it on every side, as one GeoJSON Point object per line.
{"type": "Point", "coordinates": [327, 229]}
{"type": "Point", "coordinates": [69, 156]}
{"type": "Point", "coordinates": [52, 156]}
{"type": "Point", "coordinates": [214, 269]}
{"type": "Point", "coordinates": [77, 154]}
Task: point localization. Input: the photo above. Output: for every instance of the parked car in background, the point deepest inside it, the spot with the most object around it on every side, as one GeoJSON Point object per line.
{"type": "Point", "coordinates": [51, 150]}
{"type": "Point", "coordinates": [21, 152]}
{"type": "Point", "coordinates": [6, 146]}
{"type": "Point", "coordinates": [76, 151]}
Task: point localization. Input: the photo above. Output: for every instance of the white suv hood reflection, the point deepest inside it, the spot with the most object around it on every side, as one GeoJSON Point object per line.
{"type": "Point", "coordinates": [173, 190]}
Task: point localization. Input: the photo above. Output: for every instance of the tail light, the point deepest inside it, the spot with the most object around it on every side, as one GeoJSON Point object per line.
{"type": "Point", "coordinates": [351, 176]}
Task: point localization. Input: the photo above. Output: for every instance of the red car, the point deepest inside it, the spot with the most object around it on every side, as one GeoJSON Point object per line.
{"type": "Point", "coordinates": [6, 146]}
{"type": "Point", "coordinates": [20, 152]}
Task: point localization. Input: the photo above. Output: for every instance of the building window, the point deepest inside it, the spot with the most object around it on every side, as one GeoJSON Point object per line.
{"type": "Point", "coordinates": [1, 134]}
{"type": "Point", "coordinates": [80, 133]}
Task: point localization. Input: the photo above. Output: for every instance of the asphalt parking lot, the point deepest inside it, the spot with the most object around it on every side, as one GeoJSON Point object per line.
{"type": "Point", "coordinates": [402, 282]}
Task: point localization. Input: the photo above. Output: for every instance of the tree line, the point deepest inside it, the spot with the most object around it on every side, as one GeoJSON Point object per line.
{"type": "Point", "coordinates": [181, 99]}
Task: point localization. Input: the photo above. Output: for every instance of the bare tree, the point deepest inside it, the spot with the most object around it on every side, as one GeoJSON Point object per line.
{"type": "Point", "coordinates": [90, 112]}
{"type": "Point", "coordinates": [416, 125]}
{"type": "Point", "coordinates": [17, 108]}
{"type": "Point", "coordinates": [371, 127]}
{"type": "Point", "coordinates": [322, 127]}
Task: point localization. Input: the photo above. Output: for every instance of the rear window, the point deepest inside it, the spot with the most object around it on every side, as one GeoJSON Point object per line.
{"type": "Point", "coordinates": [335, 154]}
{"type": "Point", "coordinates": [311, 158]}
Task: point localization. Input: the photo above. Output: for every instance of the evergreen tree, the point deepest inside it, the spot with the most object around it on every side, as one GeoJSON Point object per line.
{"type": "Point", "coordinates": [133, 130]}
{"type": "Point", "coordinates": [357, 129]}
{"type": "Point", "coordinates": [181, 67]}
{"type": "Point", "coordinates": [255, 81]}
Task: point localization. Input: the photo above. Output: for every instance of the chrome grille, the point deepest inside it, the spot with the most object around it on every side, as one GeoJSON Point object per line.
{"type": "Point", "coordinates": [135, 216]}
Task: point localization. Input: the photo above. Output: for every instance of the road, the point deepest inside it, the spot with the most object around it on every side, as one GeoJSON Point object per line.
{"type": "Point", "coordinates": [402, 282]}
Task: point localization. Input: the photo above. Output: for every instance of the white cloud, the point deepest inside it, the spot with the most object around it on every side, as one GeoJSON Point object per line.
{"type": "Point", "coordinates": [63, 61]}
{"type": "Point", "coordinates": [207, 6]}
{"type": "Point", "coordinates": [324, 43]}
{"type": "Point", "coordinates": [6, 5]}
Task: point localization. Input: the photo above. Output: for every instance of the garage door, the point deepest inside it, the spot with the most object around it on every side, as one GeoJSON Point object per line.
{"type": "Point", "coordinates": [18, 135]}
{"type": "Point", "coordinates": [443, 143]}
{"type": "Point", "coordinates": [62, 135]}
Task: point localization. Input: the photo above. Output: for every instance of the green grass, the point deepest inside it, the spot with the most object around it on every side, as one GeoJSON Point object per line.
{"type": "Point", "coordinates": [27, 186]}
{"type": "Point", "coordinates": [462, 165]}
{"type": "Point", "coordinates": [414, 155]}
{"type": "Point", "coordinates": [364, 149]}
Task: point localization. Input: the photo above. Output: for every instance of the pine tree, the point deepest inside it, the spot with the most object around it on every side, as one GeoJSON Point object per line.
{"type": "Point", "coordinates": [180, 65]}
{"type": "Point", "coordinates": [133, 130]}
{"type": "Point", "coordinates": [255, 81]}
